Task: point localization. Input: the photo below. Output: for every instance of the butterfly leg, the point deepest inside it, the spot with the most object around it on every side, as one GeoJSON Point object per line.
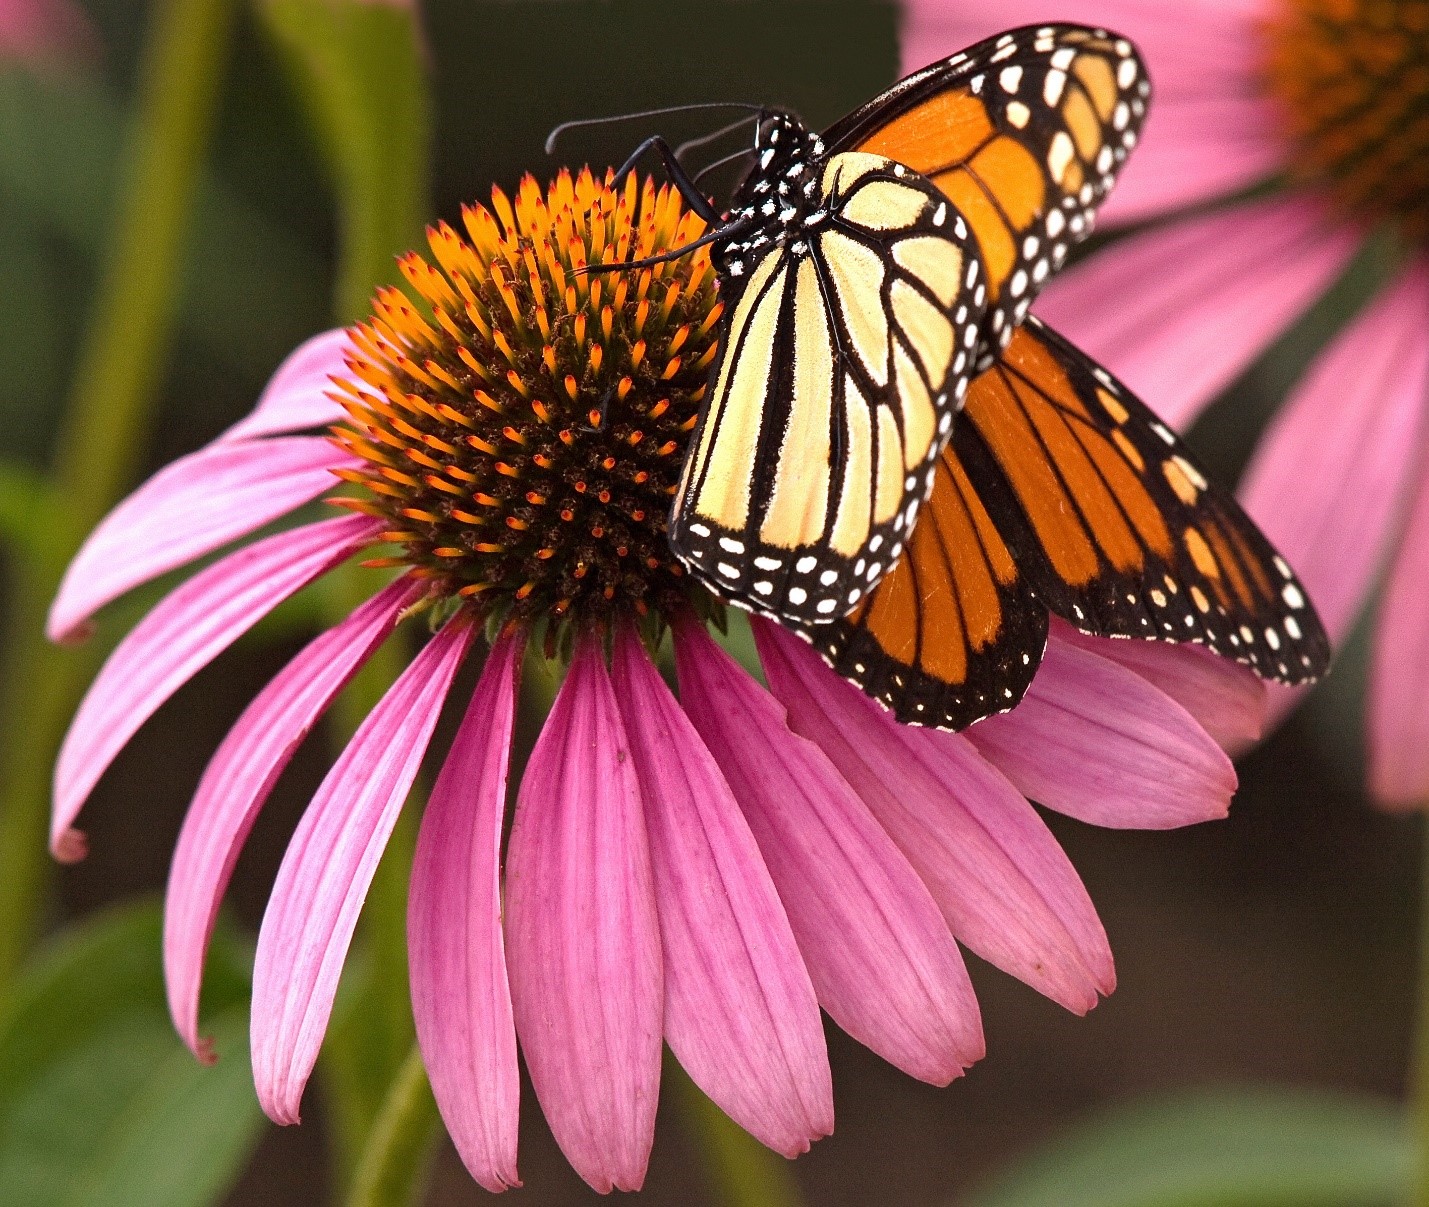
{"type": "Point", "coordinates": [696, 200]}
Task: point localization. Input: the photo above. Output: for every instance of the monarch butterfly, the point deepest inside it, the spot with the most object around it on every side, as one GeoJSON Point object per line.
{"type": "Point", "coordinates": [878, 280]}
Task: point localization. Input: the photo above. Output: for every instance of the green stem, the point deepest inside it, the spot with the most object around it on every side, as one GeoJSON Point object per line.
{"type": "Point", "coordinates": [742, 1171]}
{"type": "Point", "coordinates": [359, 68]}
{"type": "Point", "coordinates": [1419, 1082]}
{"type": "Point", "coordinates": [116, 380]}
{"type": "Point", "coordinates": [399, 1147]}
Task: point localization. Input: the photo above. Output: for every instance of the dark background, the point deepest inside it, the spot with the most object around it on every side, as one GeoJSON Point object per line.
{"type": "Point", "coordinates": [1275, 947]}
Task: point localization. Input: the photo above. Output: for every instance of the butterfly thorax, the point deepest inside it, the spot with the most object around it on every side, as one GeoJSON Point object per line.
{"type": "Point", "coordinates": [778, 202]}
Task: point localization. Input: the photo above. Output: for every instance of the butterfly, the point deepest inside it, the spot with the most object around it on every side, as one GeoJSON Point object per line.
{"type": "Point", "coordinates": [870, 272]}
{"type": "Point", "coordinates": [878, 359]}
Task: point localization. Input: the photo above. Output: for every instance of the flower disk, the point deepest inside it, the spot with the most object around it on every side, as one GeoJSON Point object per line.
{"type": "Point", "coordinates": [1353, 80]}
{"type": "Point", "coordinates": [525, 424]}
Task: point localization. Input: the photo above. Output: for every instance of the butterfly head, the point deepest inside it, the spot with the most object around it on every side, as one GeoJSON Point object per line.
{"type": "Point", "coordinates": [773, 203]}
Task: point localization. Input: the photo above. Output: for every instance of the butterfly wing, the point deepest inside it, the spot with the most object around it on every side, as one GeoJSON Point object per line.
{"type": "Point", "coordinates": [1079, 500]}
{"type": "Point", "coordinates": [1025, 133]}
{"type": "Point", "coordinates": [953, 633]}
{"type": "Point", "coordinates": [845, 356]}
{"type": "Point", "coordinates": [1114, 522]}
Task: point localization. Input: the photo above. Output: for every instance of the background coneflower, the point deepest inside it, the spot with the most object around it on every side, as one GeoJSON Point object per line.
{"type": "Point", "coordinates": [1288, 139]}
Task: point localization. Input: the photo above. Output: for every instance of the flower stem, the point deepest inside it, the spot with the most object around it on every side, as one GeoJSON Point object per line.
{"type": "Point", "coordinates": [742, 1172]}
{"type": "Point", "coordinates": [359, 67]}
{"type": "Point", "coordinates": [1419, 1079]}
{"type": "Point", "coordinates": [116, 380]}
{"type": "Point", "coordinates": [399, 1146]}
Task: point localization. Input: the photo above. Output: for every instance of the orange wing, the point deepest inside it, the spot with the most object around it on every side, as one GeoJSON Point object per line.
{"type": "Point", "coordinates": [1061, 491]}
{"type": "Point", "coordinates": [1025, 134]}
{"type": "Point", "coordinates": [1113, 522]}
{"type": "Point", "coordinates": [952, 633]}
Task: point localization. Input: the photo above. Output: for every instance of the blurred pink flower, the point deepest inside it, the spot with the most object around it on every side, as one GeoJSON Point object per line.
{"type": "Point", "coordinates": [1247, 91]}
{"type": "Point", "coordinates": [707, 871]}
{"type": "Point", "coordinates": [46, 32]}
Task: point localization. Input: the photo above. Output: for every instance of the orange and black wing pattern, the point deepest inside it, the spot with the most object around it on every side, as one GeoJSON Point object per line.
{"type": "Point", "coordinates": [1061, 491]}
{"type": "Point", "coordinates": [953, 632]}
{"type": "Point", "coordinates": [1114, 524]}
{"type": "Point", "coordinates": [1025, 133]}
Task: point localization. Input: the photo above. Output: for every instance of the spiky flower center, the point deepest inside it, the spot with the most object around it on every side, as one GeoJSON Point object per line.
{"type": "Point", "coordinates": [523, 423]}
{"type": "Point", "coordinates": [1352, 77]}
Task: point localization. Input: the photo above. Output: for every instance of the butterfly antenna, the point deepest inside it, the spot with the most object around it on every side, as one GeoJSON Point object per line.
{"type": "Point", "coordinates": [714, 136]}
{"type": "Point", "coordinates": [719, 163]}
{"type": "Point", "coordinates": [630, 117]}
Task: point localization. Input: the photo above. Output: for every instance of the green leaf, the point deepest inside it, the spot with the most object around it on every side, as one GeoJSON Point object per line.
{"type": "Point", "coordinates": [392, 1171]}
{"type": "Point", "coordinates": [1250, 1147]}
{"type": "Point", "coordinates": [100, 1104]}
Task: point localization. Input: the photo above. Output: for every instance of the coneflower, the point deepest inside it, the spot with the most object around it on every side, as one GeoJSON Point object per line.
{"type": "Point", "coordinates": [706, 871]}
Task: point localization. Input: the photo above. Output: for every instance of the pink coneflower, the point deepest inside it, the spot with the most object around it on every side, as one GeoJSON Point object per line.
{"type": "Point", "coordinates": [706, 872]}
{"type": "Point", "coordinates": [1327, 100]}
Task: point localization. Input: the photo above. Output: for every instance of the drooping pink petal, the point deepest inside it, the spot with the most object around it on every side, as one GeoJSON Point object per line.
{"type": "Point", "coordinates": [740, 1011]}
{"type": "Point", "coordinates": [1226, 699]}
{"type": "Point", "coordinates": [1212, 129]}
{"type": "Point", "coordinates": [878, 950]}
{"type": "Point", "coordinates": [1398, 693]}
{"type": "Point", "coordinates": [1330, 478]}
{"type": "Point", "coordinates": [1179, 312]}
{"type": "Point", "coordinates": [190, 627]}
{"type": "Point", "coordinates": [1098, 742]}
{"type": "Point", "coordinates": [191, 507]}
{"type": "Point", "coordinates": [328, 867]}
{"type": "Point", "coordinates": [1006, 888]}
{"type": "Point", "coordinates": [296, 396]}
{"type": "Point", "coordinates": [236, 784]}
{"type": "Point", "coordinates": [583, 936]}
{"type": "Point", "coordinates": [461, 998]}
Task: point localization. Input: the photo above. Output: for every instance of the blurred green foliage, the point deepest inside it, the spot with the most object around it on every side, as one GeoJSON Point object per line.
{"type": "Point", "coordinates": [1246, 1146]}
{"type": "Point", "coordinates": [100, 1104]}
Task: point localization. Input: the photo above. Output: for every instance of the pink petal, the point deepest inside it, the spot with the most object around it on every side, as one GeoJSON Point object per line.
{"type": "Point", "coordinates": [1225, 698]}
{"type": "Point", "coordinates": [1179, 312]}
{"type": "Point", "coordinates": [186, 630]}
{"type": "Point", "coordinates": [1002, 882]}
{"type": "Point", "coordinates": [327, 868]}
{"type": "Point", "coordinates": [296, 396]}
{"type": "Point", "coordinates": [1398, 694]}
{"type": "Point", "coordinates": [740, 1011]}
{"type": "Point", "coordinates": [192, 507]}
{"type": "Point", "coordinates": [878, 951]}
{"type": "Point", "coordinates": [1212, 129]}
{"type": "Point", "coordinates": [237, 781]}
{"type": "Point", "coordinates": [460, 995]}
{"type": "Point", "coordinates": [1096, 741]}
{"type": "Point", "coordinates": [582, 935]}
{"type": "Point", "coordinates": [1330, 477]}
